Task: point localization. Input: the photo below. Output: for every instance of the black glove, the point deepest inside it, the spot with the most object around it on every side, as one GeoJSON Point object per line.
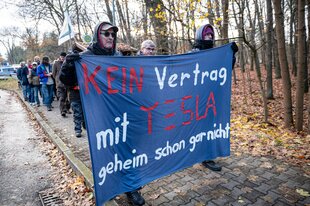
{"type": "Point", "coordinates": [234, 47]}
{"type": "Point", "coordinates": [73, 57]}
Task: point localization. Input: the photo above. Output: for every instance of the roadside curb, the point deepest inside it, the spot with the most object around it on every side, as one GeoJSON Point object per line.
{"type": "Point", "coordinates": [77, 165]}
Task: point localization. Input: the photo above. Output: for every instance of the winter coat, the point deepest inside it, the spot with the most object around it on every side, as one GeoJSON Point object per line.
{"type": "Point", "coordinates": [42, 72]}
{"type": "Point", "coordinates": [56, 71]}
{"type": "Point", "coordinates": [34, 78]}
{"type": "Point", "coordinates": [201, 44]}
{"type": "Point", "coordinates": [68, 75]}
{"type": "Point", "coordinates": [22, 75]}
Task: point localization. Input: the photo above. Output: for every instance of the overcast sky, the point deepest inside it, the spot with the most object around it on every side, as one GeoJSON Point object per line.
{"type": "Point", "coordinates": [9, 17]}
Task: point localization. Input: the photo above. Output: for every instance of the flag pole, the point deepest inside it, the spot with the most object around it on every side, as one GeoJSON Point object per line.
{"type": "Point", "coordinates": [67, 31]}
{"type": "Point", "coordinates": [70, 43]}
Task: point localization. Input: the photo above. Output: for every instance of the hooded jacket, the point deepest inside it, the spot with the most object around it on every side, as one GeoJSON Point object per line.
{"type": "Point", "coordinates": [68, 75]}
{"type": "Point", "coordinates": [96, 46]}
{"type": "Point", "coordinates": [201, 44]}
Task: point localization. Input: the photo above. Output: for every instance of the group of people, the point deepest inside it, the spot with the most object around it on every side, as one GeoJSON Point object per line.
{"type": "Point", "coordinates": [104, 42]}
{"type": "Point", "coordinates": [41, 79]}
{"type": "Point", "coordinates": [59, 79]}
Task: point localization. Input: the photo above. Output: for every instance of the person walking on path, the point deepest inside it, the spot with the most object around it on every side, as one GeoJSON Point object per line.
{"type": "Point", "coordinates": [104, 42]}
{"type": "Point", "coordinates": [22, 75]}
{"type": "Point", "coordinates": [44, 72]}
{"type": "Point", "coordinates": [35, 82]}
{"type": "Point", "coordinates": [64, 104]}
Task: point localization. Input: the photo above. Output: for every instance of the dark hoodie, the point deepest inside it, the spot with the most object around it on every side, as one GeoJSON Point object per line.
{"type": "Point", "coordinates": [96, 46]}
{"type": "Point", "coordinates": [68, 75]}
{"type": "Point", "coordinates": [201, 44]}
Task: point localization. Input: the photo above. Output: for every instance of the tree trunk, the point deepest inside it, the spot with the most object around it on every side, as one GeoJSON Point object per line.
{"type": "Point", "coordinates": [218, 15]}
{"type": "Point", "coordinates": [292, 45]}
{"type": "Point", "coordinates": [225, 4]}
{"type": "Point", "coordinates": [78, 20]}
{"type": "Point", "coordinates": [262, 90]}
{"type": "Point", "coordinates": [301, 40]}
{"type": "Point", "coordinates": [123, 23]}
{"type": "Point", "coordinates": [261, 33]}
{"type": "Point", "coordinates": [159, 23]}
{"type": "Point", "coordinates": [287, 103]}
{"type": "Point", "coordinates": [269, 50]}
{"type": "Point", "coordinates": [210, 12]}
{"type": "Point", "coordinates": [307, 67]}
{"type": "Point", "coordinates": [240, 24]}
{"type": "Point", "coordinates": [277, 69]}
{"type": "Point", "coordinates": [144, 21]}
{"type": "Point", "coordinates": [308, 3]}
{"type": "Point", "coordinates": [128, 23]}
{"type": "Point", "coordinates": [109, 11]}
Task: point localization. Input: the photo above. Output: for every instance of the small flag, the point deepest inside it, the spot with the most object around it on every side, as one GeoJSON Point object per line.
{"type": "Point", "coordinates": [66, 31]}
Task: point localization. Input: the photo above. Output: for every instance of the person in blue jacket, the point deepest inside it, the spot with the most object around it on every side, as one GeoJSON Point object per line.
{"type": "Point", "coordinates": [44, 72]}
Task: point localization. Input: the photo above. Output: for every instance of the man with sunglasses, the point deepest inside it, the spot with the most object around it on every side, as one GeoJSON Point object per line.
{"type": "Point", "coordinates": [104, 42]}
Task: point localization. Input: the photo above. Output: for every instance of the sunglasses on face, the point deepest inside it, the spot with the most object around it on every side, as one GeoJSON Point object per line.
{"type": "Point", "coordinates": [107, 34]}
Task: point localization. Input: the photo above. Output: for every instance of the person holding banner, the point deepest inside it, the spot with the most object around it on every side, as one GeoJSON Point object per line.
{"type": "Point", "coordinates": [148, 48]}
{"type": "Point", "coordinates": [104, 43]}
{"type": "Point", "coordinates": [204, 39]}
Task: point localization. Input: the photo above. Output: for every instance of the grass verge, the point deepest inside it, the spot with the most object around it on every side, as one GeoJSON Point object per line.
{"type": "Point", "coordinates": [9, 84]}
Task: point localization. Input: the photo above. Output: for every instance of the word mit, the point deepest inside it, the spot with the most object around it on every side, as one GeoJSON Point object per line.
{"type": "Point", "coordinates": [113, 136]}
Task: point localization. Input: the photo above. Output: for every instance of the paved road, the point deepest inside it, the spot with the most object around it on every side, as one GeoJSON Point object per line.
{"type": "Point", "coordinates": [24, 170]}
{"type": "Point", "coordinates": [244, 180]}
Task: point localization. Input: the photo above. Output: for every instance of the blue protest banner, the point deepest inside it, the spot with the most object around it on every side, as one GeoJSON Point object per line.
{"type": "Point", "coordinates": [148, 117]}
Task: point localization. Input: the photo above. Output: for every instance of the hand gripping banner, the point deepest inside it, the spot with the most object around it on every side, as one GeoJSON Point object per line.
{"type": "Point", "coordinates": [148, 117]}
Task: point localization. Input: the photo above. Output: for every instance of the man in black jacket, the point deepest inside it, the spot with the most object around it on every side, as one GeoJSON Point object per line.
{"type": "Point", "coordinates": [60, 88]}
{"type": "Point", "coordinates": [104, 42]}
{"type": "Point", "coordinates": [22, 75]}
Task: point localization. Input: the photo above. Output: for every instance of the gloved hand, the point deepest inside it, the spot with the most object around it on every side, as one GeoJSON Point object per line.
{"type": "Point", "coordinates": [73, 57]}
{"type": "Point", "coordinates": [234, 47]}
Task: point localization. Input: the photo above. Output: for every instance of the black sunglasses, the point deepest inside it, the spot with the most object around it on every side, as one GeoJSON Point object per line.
{"type": "Point", "coordinates": [107, 34]}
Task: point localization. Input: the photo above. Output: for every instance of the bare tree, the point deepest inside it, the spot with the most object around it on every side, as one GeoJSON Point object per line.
{"type": "Point", "coordinates": [301, 44]}
{"type": "Point", "coordinates": [48, 10]}
{"type": "Point", "coordinates": [308, 6]}
{"type": "Point", "coordinates": [292, 9]}
{"type": "Point", "coordinates": [124, 22]}
{"type": "Point", "coordinates": [287, 102]}
{"type": "Point", "coordinates": [109, 11]}
{"type": "Point", "coordinates": [8, 37]}
{"type": "Point", "coordinates": [224, 29]}
{"type": "Point", "coordinates": [269, 50]}
{"type": "Point", "coordinates": [159, 22]}
{"type": "Point", "coordinates": [243, 6]}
